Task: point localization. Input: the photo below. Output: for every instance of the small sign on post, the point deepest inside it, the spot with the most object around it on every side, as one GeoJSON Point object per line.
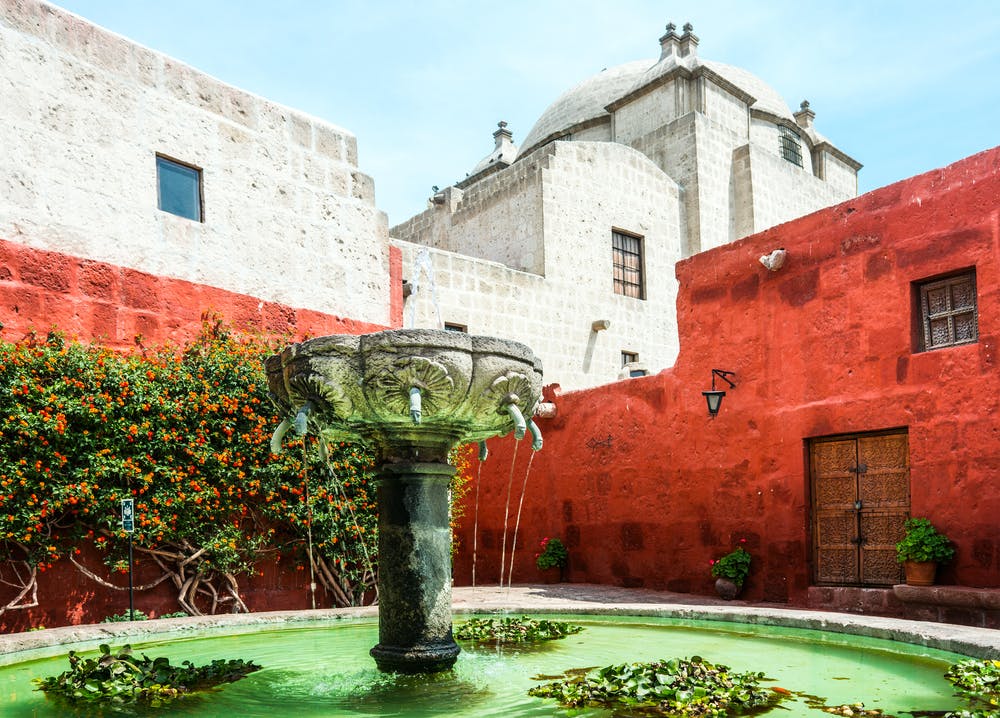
{"type": "Point", "coordinates": [128, 515]}
{"type": "Point", "coordinates": [128, 525]}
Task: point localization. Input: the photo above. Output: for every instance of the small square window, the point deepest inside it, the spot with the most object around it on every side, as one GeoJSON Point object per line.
{"type": "Point", "coordinates": [948, 311]}
{"type": "Point", "coordinates": [626, 258]}
{"type": "Point", "coordinates": [449, 327]}
{"type": "Point", "coordinates": [791, 147]}
{"type": "Point", "coordinates": [629, 357]}
{"type": "Point", "coordinates": [178, 188]}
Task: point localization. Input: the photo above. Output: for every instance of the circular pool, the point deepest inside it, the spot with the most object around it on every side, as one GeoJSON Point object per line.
{"type": "Point", "coordinates": [323, 669]}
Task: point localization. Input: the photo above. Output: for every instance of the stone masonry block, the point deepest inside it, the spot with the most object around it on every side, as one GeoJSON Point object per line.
{"type": "Point", "coordinates": [98, 280]}
{"type": "Point", "coordinates": [363, 187]}
{"type": "Point", "coordinates": [329, 142]}
{"type": "Point", "coordinates": [301, 129]}
{"type": "Point", "coordinates": [351, 150]}
{"type": "Point", "coordinates": [47, 270]}
{"type": "Point", "coordinates": [140, 290]}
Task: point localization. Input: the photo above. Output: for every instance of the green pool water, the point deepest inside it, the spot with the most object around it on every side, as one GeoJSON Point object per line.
{"type": "Point", "coordinates": [324, 670]}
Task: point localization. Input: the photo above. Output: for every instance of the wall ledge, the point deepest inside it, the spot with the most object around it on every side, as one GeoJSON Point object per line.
{"type": "Point", "coordinates": [957, 596]}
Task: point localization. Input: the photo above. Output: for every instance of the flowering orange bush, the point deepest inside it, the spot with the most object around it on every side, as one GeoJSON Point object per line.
{"type": "Point", "coordinates": [185, 433]}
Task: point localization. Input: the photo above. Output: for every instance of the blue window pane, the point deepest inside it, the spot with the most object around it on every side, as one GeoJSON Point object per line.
{"type": "Point", "coordinates": [179, 189]}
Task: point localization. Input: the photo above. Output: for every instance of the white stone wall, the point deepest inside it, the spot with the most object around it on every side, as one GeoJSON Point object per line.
{"type": "Point", "coordinates": [780, 191]}
{"type": "Point", "coordinates": [839, 175]}
{"type": "Point", "coordinates": [497, 219]}
{"type": "Point", "coordinates": [287, 215]}
{"type": "Point", "coordinates": [766, 135]}
{"type": "Point", "coordinates": [596, 133]}
{"type": "Point", "coordinates": [587, 189]}
{"type": "Point", "coordinates": [648, 112]}
{"type": "Point", "coordinates": [724, 109]}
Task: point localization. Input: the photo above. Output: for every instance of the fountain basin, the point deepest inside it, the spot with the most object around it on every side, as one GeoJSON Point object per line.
{"type": "Point", "coordinates": [316, 668]}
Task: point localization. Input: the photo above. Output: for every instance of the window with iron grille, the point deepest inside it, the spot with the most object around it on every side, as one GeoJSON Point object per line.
{"type": "Point", "coordinates": [629, 357]}
{"type": "Point", "coordinates": [791, 147]}
{"type": "Point", "coordinates": [626, 255]}
{"type": "Point", "coordinates": [948, 312]}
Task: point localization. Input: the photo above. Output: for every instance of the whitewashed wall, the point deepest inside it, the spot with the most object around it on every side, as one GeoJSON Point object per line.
{"type": "Point", "coordinates": [586, 189]}
{"type": "Point", "coordinates": [288, 216]}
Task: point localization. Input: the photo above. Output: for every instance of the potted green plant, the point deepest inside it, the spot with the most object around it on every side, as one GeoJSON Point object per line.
{"type": "Point", "coordinates": [551, 559]}
{"type": "Point", "coordinates": [730, 572]}
{"type": "Point", "coordinates": [923, 547]}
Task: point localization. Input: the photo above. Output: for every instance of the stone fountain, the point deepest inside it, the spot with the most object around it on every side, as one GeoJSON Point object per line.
{"type": "Point", "coordinates": [412, 394]}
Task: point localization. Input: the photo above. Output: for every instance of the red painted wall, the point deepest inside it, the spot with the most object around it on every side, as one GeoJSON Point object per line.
{"type": "Point", "coordinates": [645, 488]}
{"type": "Point", "coordinates": [113, 305]}
{"type": "Point", "coordinates": [89, 300]}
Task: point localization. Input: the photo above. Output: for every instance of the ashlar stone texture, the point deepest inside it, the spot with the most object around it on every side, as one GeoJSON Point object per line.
{"type": "Point", "coordinates": [574, 195]}
{"type": "Point", "coordinates": [86, 112]}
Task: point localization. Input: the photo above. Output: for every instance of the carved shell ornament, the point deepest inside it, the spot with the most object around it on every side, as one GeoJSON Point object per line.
{"type": "Point", "coordinates": [508, 388]}
{"type": "Point", "coordinates": [393, 384]}
{"type": "Point", "coordinates": [326, 395]}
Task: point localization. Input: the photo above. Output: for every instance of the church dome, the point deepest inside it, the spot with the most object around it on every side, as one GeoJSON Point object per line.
{"type": "Point", "coordinates": [584, 102]}
{"type": "Point", "coordinates": [587, 101]}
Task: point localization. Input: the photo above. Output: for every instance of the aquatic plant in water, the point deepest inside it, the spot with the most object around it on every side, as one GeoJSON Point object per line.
{"type": "Point", "coordinates": [121, 679]}
{"type": "Point", "coordinates": [514, 630]}
{"type": "Point", "coordinates": [674, 687]}
{"type": "Point", "coordinates": [978, 682]}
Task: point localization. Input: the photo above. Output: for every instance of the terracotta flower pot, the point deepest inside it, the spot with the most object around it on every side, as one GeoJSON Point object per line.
{"type": "Point", "coordinates": [920, 573]}
{"type": "Point", "coordinates": [726, 588]}
{"type": "Point", "coordinates": [552, 574]}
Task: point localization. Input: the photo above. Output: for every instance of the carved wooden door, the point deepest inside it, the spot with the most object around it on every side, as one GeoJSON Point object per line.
{"type": "Point", "coordinates": [861, 498]}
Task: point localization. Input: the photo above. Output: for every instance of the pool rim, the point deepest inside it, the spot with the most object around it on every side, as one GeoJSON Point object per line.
{"type": "Point", "coordinates": [580, 599]}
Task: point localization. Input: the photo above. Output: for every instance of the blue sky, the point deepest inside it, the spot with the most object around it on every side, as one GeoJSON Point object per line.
{"type": "Point", "coordinates": [903, 87]}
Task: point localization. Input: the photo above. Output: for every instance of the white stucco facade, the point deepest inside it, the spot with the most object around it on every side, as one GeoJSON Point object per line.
{"type": "Point", "coordinates": [536, 264]}
{"type": "Point", "coordinates": [679, 154]}
{"type": "Point", "coordinates": [287, 215]}
{"type": "Point", "coordinates": [685, 153]}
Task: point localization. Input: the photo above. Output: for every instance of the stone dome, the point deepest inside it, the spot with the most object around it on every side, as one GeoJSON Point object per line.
{"type": "Point", "coordinates": [588, 100]}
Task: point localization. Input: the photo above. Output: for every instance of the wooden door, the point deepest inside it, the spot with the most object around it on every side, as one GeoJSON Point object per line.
{"type": "Point", "coordinates": [861, 498]}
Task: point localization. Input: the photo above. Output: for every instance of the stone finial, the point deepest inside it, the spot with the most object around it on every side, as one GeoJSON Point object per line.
{"type": "Point", "coordinates": [668, 43]}
{"type": "Point", "coordinates": [805, 116]}
{"type": "Point", "coordinates": [503, 135]}
{"type": "Point", "coordinates": [689, 41]}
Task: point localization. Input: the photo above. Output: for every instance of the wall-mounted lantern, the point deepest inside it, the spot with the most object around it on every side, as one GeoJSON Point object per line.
{"type": "Point", "coordinates": [713, 396]}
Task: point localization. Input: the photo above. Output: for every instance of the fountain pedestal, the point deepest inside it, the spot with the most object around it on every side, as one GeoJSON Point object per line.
{"type": "Point", "coordinates": [414, 549]}
{"type": "Point", "coordinates": [413, 394]}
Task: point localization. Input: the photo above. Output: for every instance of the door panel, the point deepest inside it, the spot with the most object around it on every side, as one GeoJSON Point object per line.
{"type": "Point", "coordinates": [861, 497]}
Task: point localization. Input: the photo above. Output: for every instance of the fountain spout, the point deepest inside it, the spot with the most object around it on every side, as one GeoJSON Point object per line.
{"type": "Point", "coordinates": [302, 419]}
{"type": "Point", "coordinates": [415, 404]}
{"type": "Point", "coordinates": [515, 414]}
{"type": "Point", "coordinates": [279, 435]}
{"type": "Point", "coordinates": [536, 435]}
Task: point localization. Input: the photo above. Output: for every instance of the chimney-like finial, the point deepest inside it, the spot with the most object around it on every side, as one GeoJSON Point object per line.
{"type": "Point", "coordinates": [689, 41]}
{"type": "Point", "coordinates": [502, 134]}
{"type": "Point", "coordinates": [805, 116]}
{"type": "Point", "coordinates": [669, 42]}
